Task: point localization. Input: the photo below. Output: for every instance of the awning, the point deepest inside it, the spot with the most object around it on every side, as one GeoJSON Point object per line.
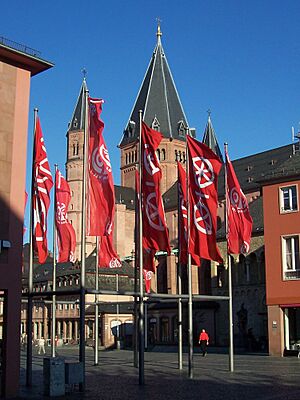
{"type": "Point", "coordinates": [289, 305]}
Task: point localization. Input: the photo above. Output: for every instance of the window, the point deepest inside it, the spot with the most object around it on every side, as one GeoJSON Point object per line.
{"type": "Point", "coordinates": [290, 257]}
{"type": "Point", "coordinates": [155, 124]}
{"type": "Point", "coordinates": [288, 198]}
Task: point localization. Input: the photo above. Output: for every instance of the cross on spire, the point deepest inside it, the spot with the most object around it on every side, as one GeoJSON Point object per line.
{"type": "Point", "coordinates": [158, 32]}
{"type": "Point", "coordinates": [84, 72]}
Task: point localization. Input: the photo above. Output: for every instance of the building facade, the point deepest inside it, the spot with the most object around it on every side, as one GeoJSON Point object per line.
{"type": "Point", "coordinates": [282, 230]}
{"type": "Point", "coordinates": [17, 66]}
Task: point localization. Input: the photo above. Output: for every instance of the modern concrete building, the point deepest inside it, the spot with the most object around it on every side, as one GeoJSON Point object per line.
{"type": "Point", "coordinates": [17, 65]}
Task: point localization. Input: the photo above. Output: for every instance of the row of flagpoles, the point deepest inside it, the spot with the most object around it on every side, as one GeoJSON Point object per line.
{"type": "Point", "coordinates": [197, 214]}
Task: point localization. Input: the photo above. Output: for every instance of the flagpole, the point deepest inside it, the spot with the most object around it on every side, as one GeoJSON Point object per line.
{"type": "Point", "coordinates": [190, 299]}
{"type": "Point", "coordinates": [135, 252]}
{"type": "Point", "coordinates": [30, 272]}
{"type": "Point", "coordinates": [231, 361]}
{"type": "Point", "coordinates": [141, 299]}
{"type": "Point", "coordinates": [96, 302]}
{"type": "Point", "coordinates": [83, 234]}
{"type": "Point", "coordinates": [53, 326]}
{"type": "Point", "coordinates": [179, 280]}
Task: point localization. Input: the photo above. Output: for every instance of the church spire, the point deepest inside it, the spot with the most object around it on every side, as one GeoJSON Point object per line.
{"type": "Point", "coordinates": [78, 117]}
{"type": "Point", "coordinates": [210, 138]}
{"type": "Point", "coordinates": [159, 100]}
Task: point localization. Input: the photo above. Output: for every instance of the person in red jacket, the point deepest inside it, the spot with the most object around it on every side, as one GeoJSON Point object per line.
{"type": "Point", "coordinates": [203, 341]}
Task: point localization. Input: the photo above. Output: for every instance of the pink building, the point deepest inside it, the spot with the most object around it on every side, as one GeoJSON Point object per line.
{"type": "Point", "coordinates": [17, 65]}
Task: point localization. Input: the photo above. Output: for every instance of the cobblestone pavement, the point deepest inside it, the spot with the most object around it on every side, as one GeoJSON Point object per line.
{"type": "Point", "coordinates": [255, 377]}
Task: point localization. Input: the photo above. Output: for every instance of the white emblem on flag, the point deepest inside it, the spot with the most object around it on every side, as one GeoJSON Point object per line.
{"type": "Point", "coordinates": [153, 213]}
{"type": "Point", "coordinates": [100, 170]}
{"type": "Point", "coordinates": [61, 215]}
{"type": "Point", "coordinates": [245, 248]}
{"type": "Point", "coordinates": [115, 263]}
{"type": "Point", "coordinates": [148, 275]}
{"type": "Point", "coordinates": [202, 218]}
{"type": "Point", "coordinates": [149, 161]}
{"type": "Point", "coordinates": [238, 200]}
{"type": "Point", "coordinates": [203, 172]}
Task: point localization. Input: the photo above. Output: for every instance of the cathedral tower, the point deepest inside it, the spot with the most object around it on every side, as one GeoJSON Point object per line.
{"type": "Point", "coordinates": [162, 110]}
{"type": "Point", "coordinates": [74, 168]}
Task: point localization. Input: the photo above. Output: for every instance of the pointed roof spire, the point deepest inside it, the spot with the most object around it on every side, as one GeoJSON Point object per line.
{"type": "Point", "coordinates": [78, 117]}
{"type": "Point", "coordinates": [159, 100]}
{"type": "Point", "coordinates": [210, 138]}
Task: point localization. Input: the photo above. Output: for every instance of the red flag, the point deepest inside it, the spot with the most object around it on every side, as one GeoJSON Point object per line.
{"type": "Point", "coordinates": [204, 167]}
{"type": "Point", "coordinates": [147, 278]}
{"type": "Point", "coordinates": [41, 186]}
{"type": "Point", "coordinates": [108, 257]}
{"type": "Point", "coordinates": [182, 213]}
{"type": "Point", "coordinates": [239, 218]}
{"type": "Point", "coordinates": [66, 238]}
{"type": "Point", "coordinates": [148, 254]}
{"type": "Point", "coordinates": [155, 233]}
{"type": "Point", "coordinates": [101, 201]}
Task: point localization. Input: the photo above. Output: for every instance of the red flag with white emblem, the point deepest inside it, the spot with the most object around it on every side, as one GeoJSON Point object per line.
{"type": "Point", "coordinates": [155, 233]}
{"type": "Point", "coordinates": [108, 258]}
{"type": "Point", "coordinates": [148, 254]}
{"type": "Point", "coordinates": [204, 167]}
{"type": "Point", "coordinates": [66, 238]}
{"type": "Point", "coordinates": [41, 186]}
{"type": "Point", "coordinates": [182, 214]}
{"type": "Point", "coordinates": [238, 214]}
{"type": "Point", "coordinates": [101, 196]}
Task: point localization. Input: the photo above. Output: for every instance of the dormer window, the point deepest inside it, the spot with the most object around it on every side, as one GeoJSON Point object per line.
{"type": "Point", "coordinates": [131, 128]}
{"type": "Point", "coordinates": [75, 123]}
{"type": "Point", "coordinates": [181, 128]}
{"type": "Point", "coordinates": [155, 124]}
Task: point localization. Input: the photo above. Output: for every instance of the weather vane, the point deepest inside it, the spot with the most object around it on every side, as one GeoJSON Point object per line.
{"type": "Point", "coordinates": [209, 112]}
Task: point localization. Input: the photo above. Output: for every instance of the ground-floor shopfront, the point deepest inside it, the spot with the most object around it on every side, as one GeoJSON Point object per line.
{"type": "Point", "coordinates": [284, 329]}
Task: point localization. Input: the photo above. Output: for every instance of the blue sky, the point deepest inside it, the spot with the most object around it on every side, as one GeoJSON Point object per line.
{"type": "Point", "coordinates": [241, 59]}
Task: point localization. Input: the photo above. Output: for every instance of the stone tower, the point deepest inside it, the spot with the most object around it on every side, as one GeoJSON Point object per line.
{"type": "Point", "coordinates": [162, 110]}
{"type": "Point", "coordinates": [74, 168]}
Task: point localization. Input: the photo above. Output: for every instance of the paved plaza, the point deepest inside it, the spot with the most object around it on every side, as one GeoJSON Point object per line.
{"type": "Point", "coordinates": [255, 377]}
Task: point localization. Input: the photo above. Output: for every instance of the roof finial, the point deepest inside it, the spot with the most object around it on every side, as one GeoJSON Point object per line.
{"type": "Point", "coordinates": [209, 113]}
{"type": "Point", "coordinates": [158, 32]}
{"type": "Point", "coordinates": [84, 72]}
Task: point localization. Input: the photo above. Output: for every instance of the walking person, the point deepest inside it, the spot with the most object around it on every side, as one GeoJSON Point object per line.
{"type": "Point", "coordinates": [203, 341]}
{"type": "Point", "coordinates": [41, 344]}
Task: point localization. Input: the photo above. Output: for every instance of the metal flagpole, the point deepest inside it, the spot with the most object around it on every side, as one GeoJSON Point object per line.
{"type": "Point", "coordinates": [83, 233]}
{"type": "Point", "coordinates": [179, 283]}
{"type": "Point", "coordinates": [30, 272]}
{"type": "Point", "coordinates": [190, 300]}
{"type": "Point", "coordinates": [135, 350]}
{"type": "Point", "coordinates": [96, 302]}
{"type": "Point", "coordinates": [231, 361]}
{"type": "Point", "coordinates": [53, 325]}
{"type": "Point", "coordinates": [141, 299]}
{"type": "Point", "coordinates": [118, 307]}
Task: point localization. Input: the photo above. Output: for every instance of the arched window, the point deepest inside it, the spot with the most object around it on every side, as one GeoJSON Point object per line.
{"type": "Point", "coordinates": [158, 153]}
{"type": "Point", "coordinates": [126, 158]}
{"type": "Point", "coordinates": [176, 155]}
{"type": "Point", "coordinates": [163, 154]}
